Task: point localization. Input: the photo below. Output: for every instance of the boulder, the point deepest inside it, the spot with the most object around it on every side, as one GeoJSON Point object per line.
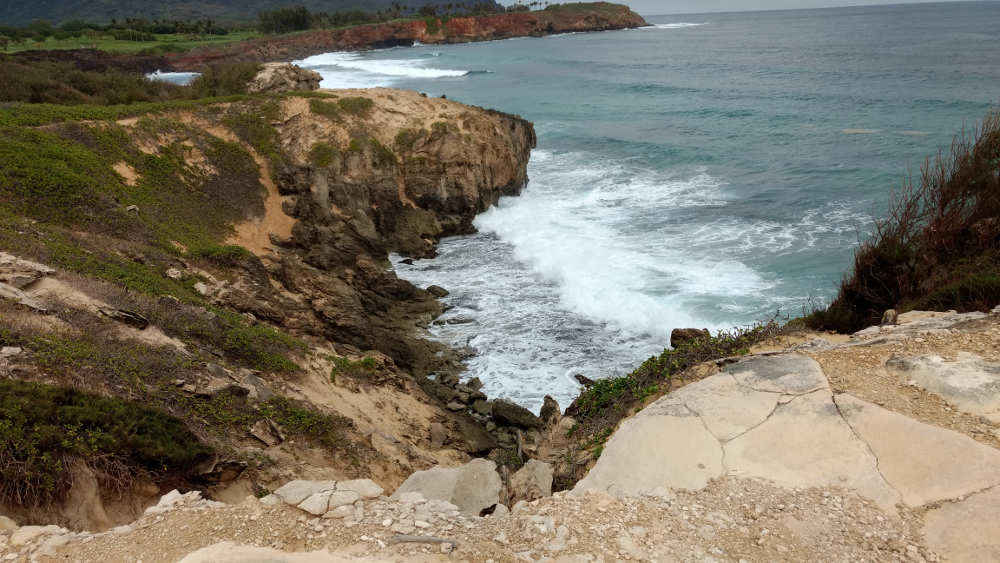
{"type": "Point", "coordinates": [317, 503]}
{"type": "Point", "coordinates": [366, 488]}
{"type": "Point", "coordinates": [515, 415]}
{"type": "Point", "coordinates": [18, 296]}
{"type": "Point", "coordinates": [21, 273]}
{"type": "Point", "coordinates": [533, 481]}
{"type": "Point", "coordinates": [266, 431]}
{"type": "Point", "coordinates": [679, 336]}
{"type": "Point", "coordinates": [437, 291]}
{"type": "Point", "coordinates": [124, 316]}
{"type": "Point", "coordinates": [472, 487]}
{"type": "Point", "coordinates": [890, 317]}
{"type": "Point", "coordinates": [283, 77]}
{"type": "Point", "coordinates": [7, 524]}
{"type": "Point", "coordinates": [294, 492]}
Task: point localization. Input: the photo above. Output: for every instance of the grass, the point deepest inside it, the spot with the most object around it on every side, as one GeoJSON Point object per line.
{"type": "Point", "coordinates": [357, 106]}
{"type": "Point", "coordinates": [32, 115]}
{"type": "Point", "coordinates": [938, 245]}
{"type": "Point", "coordinates": [223, 80]}
{"type": "Point", "coordinates": [164, 43]}
{"type": "Point", "coordinates": [323, 154]}
{"type": "Point", "coordinates": [329, 110]}
{"type": "Point", "coordinates": [45, 429]}
{"type": "Point", "coordinates": [359, 369]}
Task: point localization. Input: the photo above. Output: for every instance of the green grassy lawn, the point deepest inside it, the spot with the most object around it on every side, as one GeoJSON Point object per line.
{"type": "Point", "coordinates": [163, 43]}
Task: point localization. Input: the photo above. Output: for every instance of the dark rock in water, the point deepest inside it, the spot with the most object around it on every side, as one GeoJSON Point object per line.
{"type": "Point", "coordinates": [474, 384]}
{"type": "Point", "coordinates": [679, 336]}
{"type": "Point", "coordinates": [448, 379]}
{"type": "Point", "coordinates": [583, 380]}
{"type": "Point", "coordinates": [130, 318]}
{"type": "Point", "coordinates": [515, 415]}
{"type": "Point", "coordinates": [460, 320]}
{"type": "Point", "coordinates": [550, 410]}
{"type": "Point", "coordinates": [407, 261]}
{"type": "Point", "coordinates": [437, 291]}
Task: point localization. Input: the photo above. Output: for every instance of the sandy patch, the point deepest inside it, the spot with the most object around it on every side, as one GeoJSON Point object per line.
{"type": "Point", "coordinates": [127, 173]}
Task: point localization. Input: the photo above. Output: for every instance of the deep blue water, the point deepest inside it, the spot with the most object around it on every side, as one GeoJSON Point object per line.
{"type": "Point", "coordinates": [686, 175]}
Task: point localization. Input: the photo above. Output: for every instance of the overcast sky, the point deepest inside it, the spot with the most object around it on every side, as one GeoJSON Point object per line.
{"type": "Point", "coordinates": [653, 7]}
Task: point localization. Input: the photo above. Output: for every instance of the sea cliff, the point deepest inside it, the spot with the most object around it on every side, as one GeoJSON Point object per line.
{"type": "Point", "coordinates": [564, 18]}
{"type": "Point", "coordinates": [217, 271]}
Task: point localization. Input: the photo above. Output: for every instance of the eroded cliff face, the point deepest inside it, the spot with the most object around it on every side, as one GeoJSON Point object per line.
{"type": "Point", "coordinates": [304, 357]}
{"type": "Point", "coordinates": [599, 16]}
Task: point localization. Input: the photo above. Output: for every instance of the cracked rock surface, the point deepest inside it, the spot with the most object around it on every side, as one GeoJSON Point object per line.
{"type": "Point", "coordinates": [776, 417]}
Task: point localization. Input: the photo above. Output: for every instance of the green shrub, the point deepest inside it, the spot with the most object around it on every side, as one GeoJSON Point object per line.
{"type": "Point", "coordinates": [230, 255]}
{"type": "Point", "coordinates": [44, 429]}
{"type": "Point", "coordinates": [329, 110]}
{"type": "Point", "coordinates": [358, 106]}
{"type": "Point", "coordinates": [406, 138]}
{"type": "Point", "coordinates": [223, 80]}
{"type": "Point", "coordinates": [322, 154]}
{"type": "Point", "coordinates": [353, 368]}
{"type": "Point", "coordinates": [381, 154]}
{"type": "Point", "coordinates": [918, 254]}
{"type": "Point", "coordinates": [299, 419]}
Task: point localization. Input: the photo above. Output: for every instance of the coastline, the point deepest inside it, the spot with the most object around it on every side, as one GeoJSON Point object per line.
{"type": "Point", "coordinates": [566, 18]}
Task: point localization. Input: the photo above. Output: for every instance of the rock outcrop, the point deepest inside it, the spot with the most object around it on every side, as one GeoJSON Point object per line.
{"type": "Point", "coordinates": [297, 310]}
{"type": "Point", "coordinates": [599, 16]}
{"type": "Point", "coordinates": [283, 77]}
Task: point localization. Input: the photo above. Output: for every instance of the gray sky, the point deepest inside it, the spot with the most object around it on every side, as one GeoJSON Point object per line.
{"type": "Point", "coordinates": [653, 7]}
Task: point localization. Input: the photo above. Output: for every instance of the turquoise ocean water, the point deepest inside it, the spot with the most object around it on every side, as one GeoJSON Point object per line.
{"type": "Point", "coordinates": [707, 171]}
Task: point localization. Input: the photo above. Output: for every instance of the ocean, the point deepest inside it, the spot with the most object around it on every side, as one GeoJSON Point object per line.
{"type": "Point", "coordinates": [711, 170]}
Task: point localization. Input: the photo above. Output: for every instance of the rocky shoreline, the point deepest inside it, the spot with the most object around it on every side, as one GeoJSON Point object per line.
{"type": "Point", "coordinates": [564, 18]}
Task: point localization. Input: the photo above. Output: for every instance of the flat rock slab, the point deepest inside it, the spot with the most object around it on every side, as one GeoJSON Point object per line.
{"type": "Point", "coordinates": [792, 374]}
{"type": "Point", "coordinates": [916, 322]}
{"type": "Point", "coordinates": [806, 443]}
{"type": "Point", "coordinates": [968, 530]}
{"type": "Point", "coordinates": [669, 449]}
{"type": "Point", "coordinates": [924, 463]}
{"type": "Point", "coordinates": [969, 383]}
{"type": "Point", "coordinates": [727, 408]}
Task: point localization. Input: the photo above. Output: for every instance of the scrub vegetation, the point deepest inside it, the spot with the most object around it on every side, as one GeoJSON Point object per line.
{"type": "Point", "coordinates": [937, 248]}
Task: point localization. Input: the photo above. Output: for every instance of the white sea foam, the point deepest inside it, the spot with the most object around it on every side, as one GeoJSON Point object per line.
{"type": "Point", "coordinates": [560, 281]}
{"type": "Point", "coordinates": [174, 77]}
{"type": "Point", "coordinates": [357, 70]}
{"type": "Point", "coordinates": [677, 25]}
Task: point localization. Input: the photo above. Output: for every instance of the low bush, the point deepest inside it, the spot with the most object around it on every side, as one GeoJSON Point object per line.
{"type": "Point", "coordinates": [323, 154]}
{"type": "Point", "coordinates": [938, 245]}
{"type": "Point", "coordinates": [223, 80]}
{"type": "Point", "coordinates": [358, 106]}
{"type": "Point", "coordinates": [329, 110]}
{"type": "Point", "coordinates": [45, 429]}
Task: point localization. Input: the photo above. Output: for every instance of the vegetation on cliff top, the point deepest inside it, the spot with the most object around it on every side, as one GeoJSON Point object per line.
{"type": "Point", "coordinates": [939, 245]}
{"type": "Point", "coordinates": [44, 430]}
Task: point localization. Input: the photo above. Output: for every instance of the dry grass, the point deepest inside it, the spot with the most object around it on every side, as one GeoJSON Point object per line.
{"type": "Point", "coordinates": [938, 245]}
